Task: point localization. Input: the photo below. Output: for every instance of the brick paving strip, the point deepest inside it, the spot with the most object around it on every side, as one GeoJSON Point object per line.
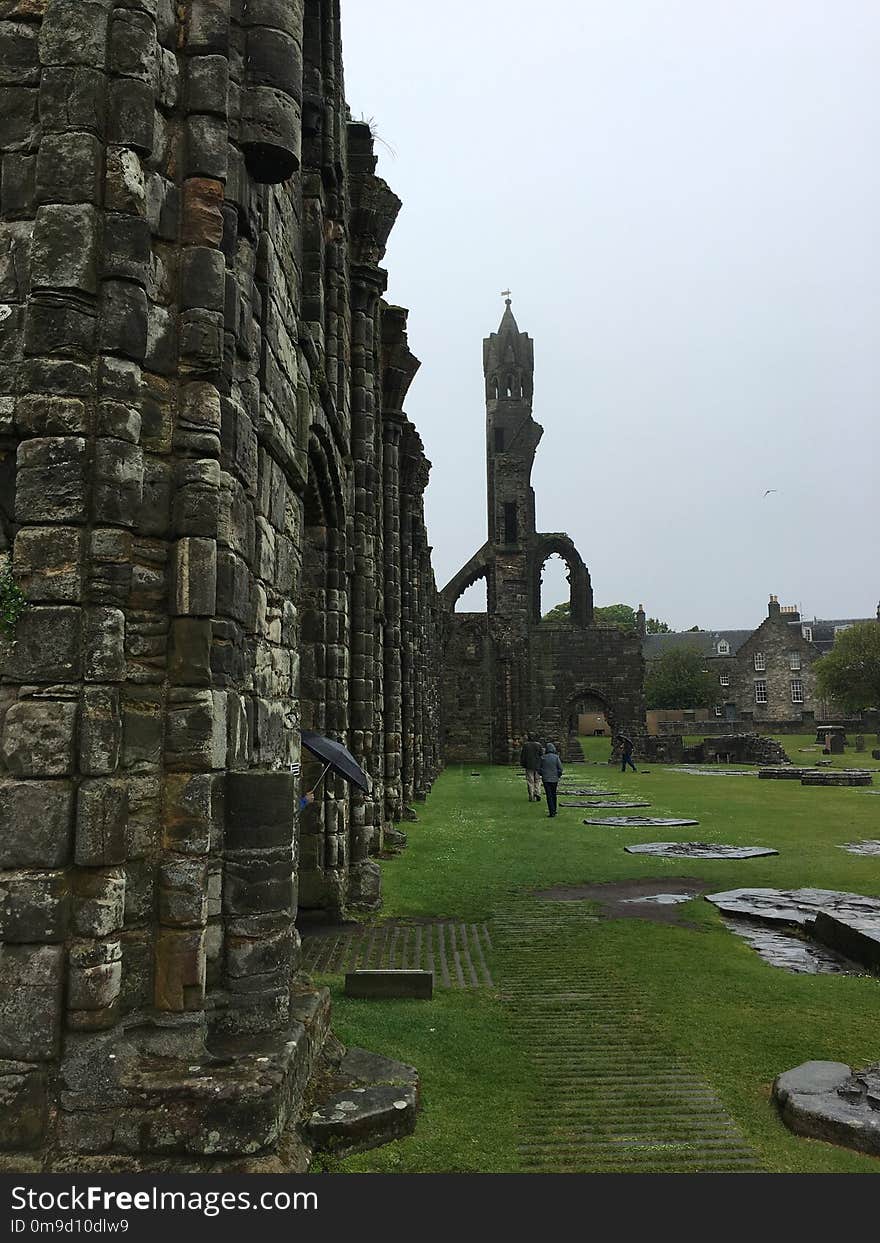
{"type": "Point", "coordinates": [608, 1097]}
{"type": "Point", "coordinates": [454, 951]}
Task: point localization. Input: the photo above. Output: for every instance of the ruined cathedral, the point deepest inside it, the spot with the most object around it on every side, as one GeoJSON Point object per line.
{"type": "Point", "coordinates": [506, 672]}
{"type": "Point", "coordinates": [211, 504]}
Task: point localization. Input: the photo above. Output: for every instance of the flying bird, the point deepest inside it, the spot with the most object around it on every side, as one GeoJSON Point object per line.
{"type": "Point", "coordinates": [769, 490]}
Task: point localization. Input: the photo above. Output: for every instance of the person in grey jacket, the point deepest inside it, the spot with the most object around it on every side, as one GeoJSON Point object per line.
{"type": "Point", "coordinates": [551, 771]}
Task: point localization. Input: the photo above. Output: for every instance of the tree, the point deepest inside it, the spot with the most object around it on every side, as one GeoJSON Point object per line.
{"type": "Point", "coordinates": [620, 615]}
{"type": "Point", "coordinates": [559, 613]}
{"type": "Point", "coordinates": [678, 678]}
{"type": "Point", "coordinates": [850, 673]}
{"type": "Point", "coordinates": [654, 626]}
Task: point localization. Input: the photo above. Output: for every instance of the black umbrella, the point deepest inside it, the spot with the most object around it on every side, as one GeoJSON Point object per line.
{"type": "Point", "coordinates": [337, 757]}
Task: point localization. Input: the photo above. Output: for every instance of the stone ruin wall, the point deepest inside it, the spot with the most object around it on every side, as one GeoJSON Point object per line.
{"type": "Point", "coordinates": [212, 500]}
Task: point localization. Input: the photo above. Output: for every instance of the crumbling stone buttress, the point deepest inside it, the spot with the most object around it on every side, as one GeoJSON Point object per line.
{"type": "Point", "coordinates": [192, 457]}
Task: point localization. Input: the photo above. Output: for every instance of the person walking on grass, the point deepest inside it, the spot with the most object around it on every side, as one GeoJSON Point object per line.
{"type": "Point", "coordinates": [551, 771]}
{"type": "Point", "coordinates": [530, 758]}
{"type": "Point", "coordinates": [626, 751]}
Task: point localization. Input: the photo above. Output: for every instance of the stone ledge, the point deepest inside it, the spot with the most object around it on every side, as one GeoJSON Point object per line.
{"type": "Point", "coordinates": [827, 1100]}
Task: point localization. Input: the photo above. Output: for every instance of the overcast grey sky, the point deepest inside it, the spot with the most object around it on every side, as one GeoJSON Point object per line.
{"type": "Point", "coordinates": [684, 198]}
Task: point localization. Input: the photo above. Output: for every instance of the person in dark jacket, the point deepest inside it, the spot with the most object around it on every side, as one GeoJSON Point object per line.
{"type": "Point", "coordinates": [551, 771]}
{"type": "Point", "coordinates": [530, 758]}
{"type": "Point", "coordinates": [626, 751]}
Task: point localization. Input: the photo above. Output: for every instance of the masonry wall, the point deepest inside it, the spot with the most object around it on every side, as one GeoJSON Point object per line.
{"type": "Point", "coordinates": [208, 505]}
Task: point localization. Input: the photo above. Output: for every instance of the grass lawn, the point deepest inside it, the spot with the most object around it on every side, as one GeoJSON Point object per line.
{"type": "Point", "coordinates": [480, 848]}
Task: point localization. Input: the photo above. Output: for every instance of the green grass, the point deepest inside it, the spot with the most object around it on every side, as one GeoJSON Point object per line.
{"type": "Point", "coordinates": [480, 847]}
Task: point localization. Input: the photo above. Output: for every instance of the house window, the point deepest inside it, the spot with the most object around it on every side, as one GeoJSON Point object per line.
{"type": "Point", "coordinates": [719, 711]}
{"type": "Point", "coordinates": [838, 629]}
{"type": "Point", "coordinates": [510, 525]}
{"type": "Point", "coordinates": [760, 691]}
{"type": "Point", "coordinates": [794, 661]}
{"type": "Point", "coordinates": [797, 691]}
{"type": "Point", "coordinates": [499, 439]}
{"type": "Point", "coordinates": [724, 680]}
{"type": "Point", "coordinates": [723, 648]}
{"type": "Point", "coordinates": [760, 662]}
{"type": "Point", "coordinates": [807, 632]}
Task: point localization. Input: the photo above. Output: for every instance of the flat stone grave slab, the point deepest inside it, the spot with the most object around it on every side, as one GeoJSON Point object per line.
{"type": "Point", "coordinates": [699, 850]}
{"type": "Point", "coordinates": [837, 779]}
{"type": "Point", "coordinates": [856, 936]}
{"type": "Point", "coordinates": [715, 772]}
{"type": "Point", "coordinates": [793, 907]}
{"type": "Point", "coordinates": [786, 772]}
{"type": "Point", "coordinates": [781, 947]}
{"type": "Point", "coordinates": [604, 803]}
{"type": "Point", "coordinates": [862, 848]}
{"type": "Point", "coordinates": [640, 822]}
{"type": "Point", "coordinates": [656, 900]}
{"type": "Point", "coordinates": [589, 793]}
{"type": "Point", "coordinates": [830, 1101]}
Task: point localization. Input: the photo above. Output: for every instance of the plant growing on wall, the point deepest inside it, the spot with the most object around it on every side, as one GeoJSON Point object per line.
{"type": "Point", "coordinates": [12, 604]}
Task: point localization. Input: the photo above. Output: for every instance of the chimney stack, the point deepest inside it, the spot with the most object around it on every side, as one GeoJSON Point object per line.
{"type": "Point", "coordinates": [642, 623]}
{"type": "Point", "coordinates": [773, 607]}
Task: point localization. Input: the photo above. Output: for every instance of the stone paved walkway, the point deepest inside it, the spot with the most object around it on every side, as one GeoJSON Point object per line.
{"type": "Point", "coordinates": [608, 1096]}
{"type": "Point", "coordinates": [455, 952]}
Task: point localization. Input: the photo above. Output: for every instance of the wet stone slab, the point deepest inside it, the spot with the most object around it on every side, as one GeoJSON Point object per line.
{"type": "Point", "coordinates": [640, 822]}
{"type": "Point", "coordinates": [781, 948]}
{"type": "Point", "coordinates": [660, 899]}
{"type": "Point", "coordinates": [565, 793]}
{"type": "Point", "coordinates": [699, 850]}
{"type": "Point", "coordinates": [830, 1101]}
{"type": "Point", "coordinates": [604, 803]}
{"type": "Point", "coordinates": [715, 772]}
{"type": "Point", "coordinates": [862, 848]}
{"type": "Point", "coordinates": [794, 907]}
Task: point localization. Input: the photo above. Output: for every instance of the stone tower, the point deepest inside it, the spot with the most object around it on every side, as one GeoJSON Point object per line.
{"type": "Point", "coordinates": [506, 672]}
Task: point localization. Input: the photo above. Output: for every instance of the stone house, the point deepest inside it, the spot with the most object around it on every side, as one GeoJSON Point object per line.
{"type": "Point", "coordinates": [764, 676]}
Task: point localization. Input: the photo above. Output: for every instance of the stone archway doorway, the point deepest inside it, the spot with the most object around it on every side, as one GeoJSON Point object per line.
{"type": "Point", "coordinates": [588, 714]}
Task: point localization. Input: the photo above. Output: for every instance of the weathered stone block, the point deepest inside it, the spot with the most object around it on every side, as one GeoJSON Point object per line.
{"type": "Point", "coordinates": [94, 976]}
{"type": "Point", "coordinates": [101, 815]}
{"type": "Point", "coordinates": [207, 84]}
{"type": "Point", "coordinates": [270, 134]}
{"type": "Point", "coordinates": [202, 220]}
{"type": "Point", "coordinates": [190, 657]}
{"type": "Point", "coordinates": [31, 979]}
{"type": "Point", "coordinates": [74, 32]}
{"type": "Point", "coordinates": [34, 907]}
{"type": "Point", "coordinates": [124, 317]}
{"type": "Point", "coordinates": [201, 341]}
{"type": "Point", "coordinates": [69, 169]}
{"type": "Point", "coordinates": [72, 98]}
{"type": "Point", "coordinates": [38, 737]}
{"type": "Point", "coordinates": [104, 645]}
{"type": "Point", "coordinates": [18, 186]}
{"type": "Point", "coordinates": [64, 249]}
{"type": "Point", "coordinates": [260, 810]}
{"type": "Point", "coordinates": [36, 818]}
{"type": "Point", "coordinates": [188, 812]}
{"type": "Point", "coordinates": [133, 50]}
{"type": "Point", "coordinates": [180, 969]}
{"type": "Point", "coordinates": [58, 324]}
{"type": "Point", "coordinates": [258, 884]}
{"type": "Point", "coordinates": [47, 645]}
{"type": "Point", "coordinates": [131, 115]}
{"type": "Point", "coordinates": [183, 893]}
{"type": "Point", "coordinates": [19, 126]}
{"type": "Point", "coordinates": [99, 909]}
{"type": "Point", "coordinates": [189, 730]}
{"type": "Point", "coordinates": [206, 147]}
{"type": "Point", "coordinates": [19, 55]}
{"type": "Point", "coordinates": [202, 280]}
{"type": "Point", "coordinates": [51, 484]}
{"type": "Point", "coordinates": [23, 1106]}
{"type": "Point", "coordinates": [47, 562]}
{"type": "Point", "coordinates": [126, 251]}
{"type": "Point", "coordinates": [268, 959]}
{"type": "Point", "coordinates": [100, 737]}
{"type": "Point", "coordinates": [124, 189]}
{"type": "Point", "coordinates": [141, 729]}
{"type": "Point", "coordinates": [195, 577]}
{"type": "Point", "coordinates": [119, 481]}
{"type": "Point", "coordinates": [207, 31]}
{"type": "Point", "coordinates": [118, 421]}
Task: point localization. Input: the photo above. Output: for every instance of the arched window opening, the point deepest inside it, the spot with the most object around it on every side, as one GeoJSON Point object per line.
{"type": "Point", "coordinates": [508, 388]}
{"type": "Point", "coordinates": [493, 387]}
{"type": "Point", "coordinates": [555, 600]}
{"type": "Point", "coordinates": [473, 599]}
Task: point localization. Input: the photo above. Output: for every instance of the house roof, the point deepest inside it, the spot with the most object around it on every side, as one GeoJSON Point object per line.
{"type": "Point", "coordinates": [705, 641]}
{"type": "Point", "coordinates": [824, 629]}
